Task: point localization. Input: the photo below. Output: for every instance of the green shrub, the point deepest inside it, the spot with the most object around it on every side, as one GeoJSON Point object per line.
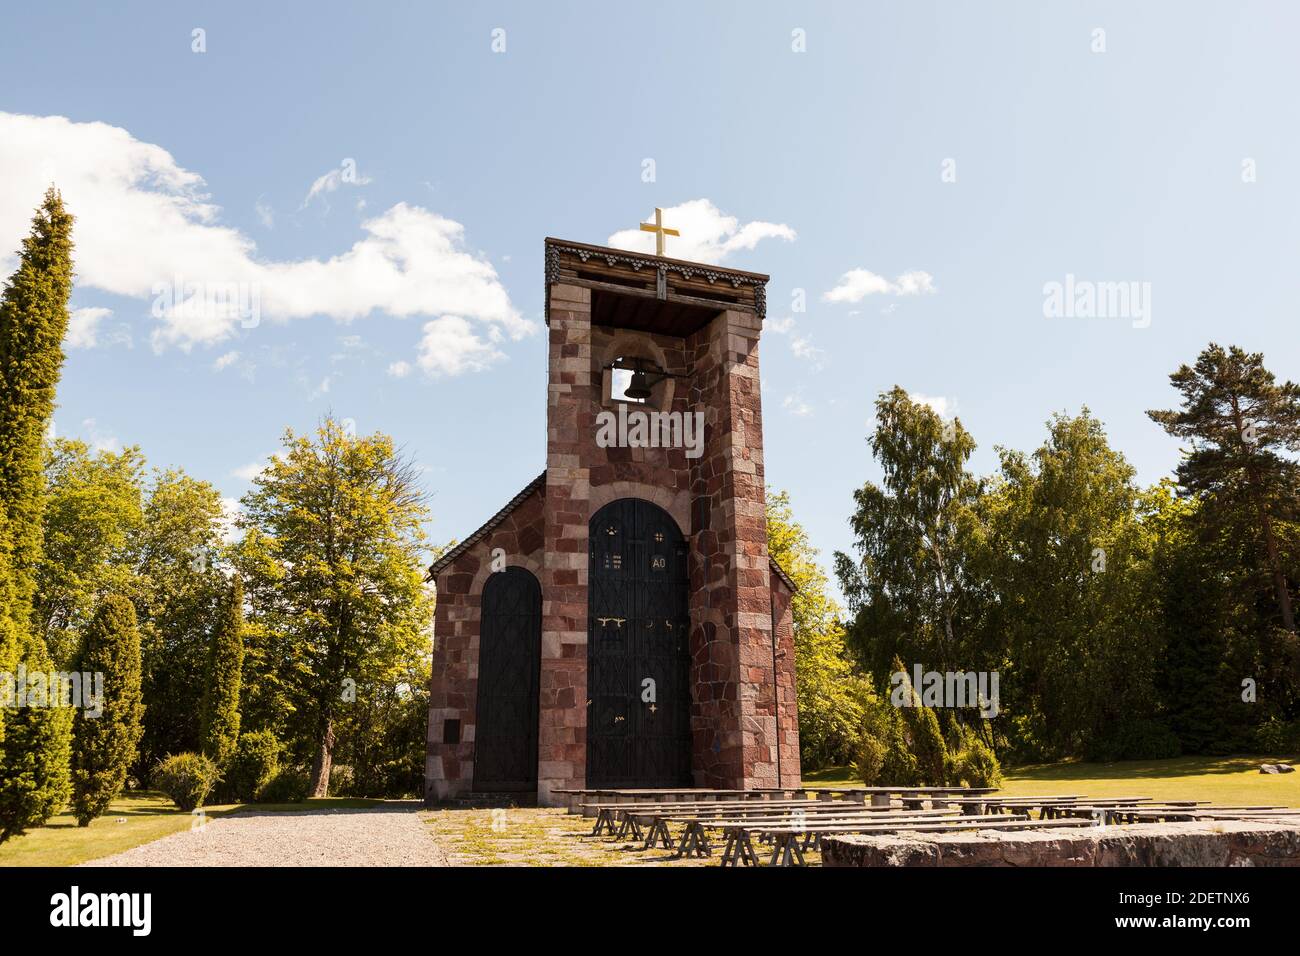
{"type": "Point", "coordinates": [870, 760]}
{"type": "Point", "coordinates": [975, 764]}
{"type": "Point", "coordinates": [898, 767]}
{"type": "Point", "coordinates": [290, 785]}
{"type": "Point", "coordinates": [187, 779]}
{"type": "Point", "coordinates": [1276, 737]}
{"type": "Point", "coordinates": [927, 745]}
{"type": "Point", "coordinates": [253, 765]}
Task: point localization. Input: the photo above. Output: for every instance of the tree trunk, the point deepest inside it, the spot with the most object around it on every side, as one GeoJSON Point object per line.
{"type": "Point", "coordinates": [320, 768]}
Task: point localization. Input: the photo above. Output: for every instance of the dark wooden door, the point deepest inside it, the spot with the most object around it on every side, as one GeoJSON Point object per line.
{"type": "Point", "coordinates": [638, 654]}
{"type": "Point", "coordinates": [509, 666]}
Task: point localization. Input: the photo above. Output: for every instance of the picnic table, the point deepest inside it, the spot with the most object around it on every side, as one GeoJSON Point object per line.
{"type": "Point", "coordinates": [641, 795]}
{"type": "Point", "coordinates": [1172, 812]}
{"type": "Point", "coordinates": [607, 814]}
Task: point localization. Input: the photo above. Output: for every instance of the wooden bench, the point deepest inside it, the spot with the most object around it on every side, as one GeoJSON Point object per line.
{"type": "Point", "coordinates": [659, 816]}
{"type": "Point", "coordinates": [694, 839]}
{"type": "Point", "coordinates": [607, 814]}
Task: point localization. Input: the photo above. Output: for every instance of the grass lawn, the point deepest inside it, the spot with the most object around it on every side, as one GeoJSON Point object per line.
{"type": "Point", "coordinates": [541, 836]}
{"type": "Point", "coordinates": [133, 819]}
{"type": "Point", "coordinates": [1229, 781]}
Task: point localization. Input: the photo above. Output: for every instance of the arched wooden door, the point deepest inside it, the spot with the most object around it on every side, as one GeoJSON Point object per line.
{"type": "Point", "coordinates": [509, 665]}
{"type": "Point", "coordinates": [638, 652]}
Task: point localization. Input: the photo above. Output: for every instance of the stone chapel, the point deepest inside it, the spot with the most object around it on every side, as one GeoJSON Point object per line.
{"type": "Point", "coordinates": [619, 623]}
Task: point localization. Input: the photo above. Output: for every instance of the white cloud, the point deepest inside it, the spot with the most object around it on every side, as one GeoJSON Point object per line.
{"type": "Point", "coordinates": [224, 361]}
{"type": "Point", "coordinates": [779, 326]}
{"type": "Point", "coordinates": [450, 346]}
{"type": "Point", "coordinates": [795, 405]}
{"type": "Point", "coordinates": [803, 348]}
{"type": "Point", "coordinates": [943, 407]}
{"type": "Point", "coordinates": [707, 234]}
{"type": "Point", "coordinates": [144, 225]}
{"type": "Point", "coordinates": [230, 513]}
{"type": "Point", "coordinates": [915, 283]}
{"type": "Point", "coordinates": [250, 471]}
{"type": "Point", "coordinates": [399, 369]}
{"type": "Point", "coordinates": [856, 284]}
{"type": "Point", "coordinates": [83, 327]}
{"type": "Point", "coordinates": [100, 440]}
{"type": "Point", "coordinates": [332, 180]}
{"type": "Point", "coordinates": [265, 214]}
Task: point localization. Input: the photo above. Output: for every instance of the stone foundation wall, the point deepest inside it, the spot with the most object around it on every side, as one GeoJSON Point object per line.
{"type": "Point", "coordinates": [1235, 843]}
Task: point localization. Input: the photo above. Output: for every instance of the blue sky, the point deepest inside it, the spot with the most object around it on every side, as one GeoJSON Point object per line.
{"type": "Point", "coordinates": [405, 292]}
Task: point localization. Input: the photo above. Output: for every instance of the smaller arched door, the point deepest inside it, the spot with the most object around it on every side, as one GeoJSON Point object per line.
{"type": "Point", "coordinates": [509, 666]}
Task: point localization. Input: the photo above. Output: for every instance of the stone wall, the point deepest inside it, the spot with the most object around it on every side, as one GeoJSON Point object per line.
{"type": "Point", "coordinates": [734, 711]}
{"type": "Point", "coordinates": [453, 683]}
{"type": "Point", "coordinates": [1228, 843]}
{"type": "Point", "coordinates": [787, 697]}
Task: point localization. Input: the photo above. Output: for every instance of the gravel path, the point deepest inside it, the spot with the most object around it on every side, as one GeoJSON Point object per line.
{"type": "Point", "coordinates": [381, 836]}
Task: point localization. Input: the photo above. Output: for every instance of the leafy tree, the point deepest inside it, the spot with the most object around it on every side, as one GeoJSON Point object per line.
{"type": "Point", "coordinates": [105, 743]}
{"type": "Point", "coordinates": [36, 741]}
{"type": "Point", "coordinates": [383, 735]}
{"type": "Point", "coordinates": [1071, 570]}
{"type": "Point", "coordinates": [1239, 421]}
{"type": "Point", "coordinates": [180, 591]}
{"type": "Point", "coordinates": [831, 693]}
{"type": "Point", "coordinates": [224, 671]}
{"type": "Point", "coordinates": [332, 560]}
{"type": "Point", "coordinates": [908, 591]}
{"type": "Point", "coordinates": [93, 511]}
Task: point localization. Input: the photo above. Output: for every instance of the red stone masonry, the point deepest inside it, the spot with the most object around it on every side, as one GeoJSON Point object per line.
{"type": "Point", "coordinates": [744, 713]}
{"type": "Point", "coordinates": [453, 684]}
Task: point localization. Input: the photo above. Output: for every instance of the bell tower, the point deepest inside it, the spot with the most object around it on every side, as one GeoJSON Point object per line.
{"type": "Point", "coordinates": [666, 654]}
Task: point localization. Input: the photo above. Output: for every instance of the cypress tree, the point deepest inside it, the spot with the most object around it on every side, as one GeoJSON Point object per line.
{"type": "Point", "coordinates": [34, 755]}
{"type": "Point", "coordinates": [225, 667]}
{"type": "Point", "coordinates": [104, 744]}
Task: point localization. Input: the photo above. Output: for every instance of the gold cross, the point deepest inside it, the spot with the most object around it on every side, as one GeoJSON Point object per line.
{"type": "Point", "coordinates": [660, 230]}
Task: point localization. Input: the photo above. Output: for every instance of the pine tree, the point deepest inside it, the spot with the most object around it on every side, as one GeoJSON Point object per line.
{"type": "Point", "coordinates": [34, 755]}
{"type": "Point", "coordinates": [225, 666]}
{"type": "Point", "coordinates": [1239, 420]}
{"type": "Point", "coordinates": [104, 742]}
